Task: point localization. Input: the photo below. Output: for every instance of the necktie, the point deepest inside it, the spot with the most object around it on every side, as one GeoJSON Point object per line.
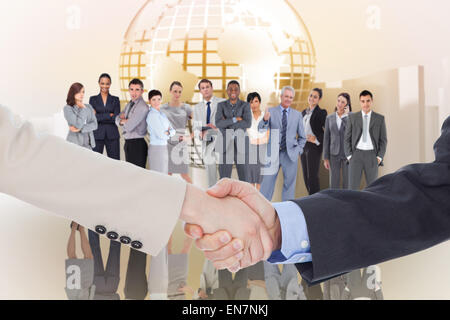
{"type": "Point", "coordinates": [208, 113]}
{"type": "Point", "coordinates": [283, 130]}
{"type": "Point", "coordinates": [129, 109]}
{"type": "Point", "coordinates": [365, 129]}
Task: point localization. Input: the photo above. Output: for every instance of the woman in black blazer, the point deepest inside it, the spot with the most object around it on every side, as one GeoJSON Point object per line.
{"type": "Point", "coordinates": [314, 124]}
{"type": "Point", "coordinates": [107, 107]}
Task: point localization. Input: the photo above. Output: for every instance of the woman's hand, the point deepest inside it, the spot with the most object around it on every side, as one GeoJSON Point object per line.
{"type": "Point", "coordinates": [266, 116]}
{"type": "Point", "coordinates": [74, 129]}
{"type": "Point", "coordinates": [326, 164]}
{"type": "Point", "coordinates": [311, 138]}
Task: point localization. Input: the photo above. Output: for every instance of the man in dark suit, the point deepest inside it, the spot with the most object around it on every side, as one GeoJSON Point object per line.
{"type": "Point", "coordinates": [233, 118]}
{"type": "Point", "coordinates": [365, 142]}
{"type": "Point", "coordinates": [336, 231]}
{"type": "Point", "coordinates": [314, 123]}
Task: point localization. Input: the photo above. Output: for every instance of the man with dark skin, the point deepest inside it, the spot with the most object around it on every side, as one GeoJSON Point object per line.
{"type": "Point", "coordinates": [233, 118]}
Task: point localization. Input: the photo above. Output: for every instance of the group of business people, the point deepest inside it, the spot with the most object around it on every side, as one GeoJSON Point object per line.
{"type": "Point", "coordinates": [95, 125]}
{"type": "Point", "coordinates": [393, 207]}
{"type": "Point", "coordinates": [258, 143]}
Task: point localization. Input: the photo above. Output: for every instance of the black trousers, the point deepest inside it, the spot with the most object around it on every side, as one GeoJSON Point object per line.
{"type": "Point", "coordinates": [225, 169]}
{"type": "Point", "coordinates": [107, 279]}
{"type": "Point", "coordinates": [136, 286]}
{"type": "Point", "coordinates": [311, 158]}
{"type": "Point", "coordinates": [136, 151]}
{"type": "Point", "coordinates": [112, 147]}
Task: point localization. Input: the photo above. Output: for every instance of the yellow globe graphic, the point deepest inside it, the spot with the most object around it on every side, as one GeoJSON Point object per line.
{"type": "Point", "coordinates": [263, 44]}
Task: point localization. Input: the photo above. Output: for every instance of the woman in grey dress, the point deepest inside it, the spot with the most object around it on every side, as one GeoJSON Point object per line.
{"type": "Point", "coordinates": [178, 114]}
{"type": "Point", "coordinates": [80, 118]}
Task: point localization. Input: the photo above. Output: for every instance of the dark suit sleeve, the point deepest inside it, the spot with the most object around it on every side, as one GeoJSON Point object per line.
{"type": "Point", "coordinates": [383, 140]}
{"type": "Point", "coordinates": [321, 125]}
{"type": "Point", "coordinates": [399, 214]}
{"type": "Point", "coordinates": [326, 140]}
{"type": "Point", "coordinates": [221, 122]}
{"type": "Point", "coordinates": [348, 137]}
{"type": "Point", "coordinates": [102, 117]}
{"type": "Point", "coordinates": [246, 118]}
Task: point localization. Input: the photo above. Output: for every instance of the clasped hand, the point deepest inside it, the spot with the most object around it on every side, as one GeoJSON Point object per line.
{"type": "Point", "coordinates": [232, 223]}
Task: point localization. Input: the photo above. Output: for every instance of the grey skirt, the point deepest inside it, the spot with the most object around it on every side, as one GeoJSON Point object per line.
{"type": "Point", "coordinates": [158, 158]}
{"type": "Point", "coordinates": [178, 158]}
{"type": "Point", "coordinates": [255, 155]}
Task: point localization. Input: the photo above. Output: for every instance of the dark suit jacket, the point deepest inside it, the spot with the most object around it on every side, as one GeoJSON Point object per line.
{"type": "Point", "coordinates": [317, 123]}
{"type": "Point", "coordinates": [377, 129]}
{"type": "Point", "coordinates": [399, 214]}
{"type": "Point", "coordinates": [107, 128]}
{"type": "Point", "coordinates": [225, 114]}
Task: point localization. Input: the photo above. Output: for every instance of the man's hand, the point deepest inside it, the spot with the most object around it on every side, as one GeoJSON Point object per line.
{"type": "Point", "coordinates": [253, 242]}
{"type": "Point", "coordinates": [239, 119]}
{"type": "Point", "coordinates": [123, 121]}
{"type": "Point", "coordinates": [217, 250]}
{"type": "Point", "coordinates": [211, 126]}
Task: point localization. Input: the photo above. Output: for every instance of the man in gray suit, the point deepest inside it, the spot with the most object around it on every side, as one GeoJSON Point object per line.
{"type": "Point", "coordinates": [205, 127]}
{"type": "Point", "coordinates": [233, 118]}
{"type": "Point", "coordinates": [287, 139]}
{"type": "Point", "coordinates": [365, 142]}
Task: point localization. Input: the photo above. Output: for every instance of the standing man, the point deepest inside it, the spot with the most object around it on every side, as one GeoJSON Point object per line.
{"type": "Point", "coordinates": [287, 124]}
{"type": "Point", "coordinates": [365, 142]}
{"type": "Point", "coordinates": [205, 127]}
{"type": "Point", "coordinates": [233, 118]}
{"type": "Point", "coordinates": [133, 121]}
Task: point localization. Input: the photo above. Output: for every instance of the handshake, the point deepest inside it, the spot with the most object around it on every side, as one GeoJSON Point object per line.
{"type": "Point", "coordinates": [233, 223]}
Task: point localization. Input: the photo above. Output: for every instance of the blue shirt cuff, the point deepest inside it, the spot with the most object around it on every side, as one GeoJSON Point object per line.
{"type": "Point", "coordinates": [234, 120]}
{"type": "Point", "coordinates": [295, 246]}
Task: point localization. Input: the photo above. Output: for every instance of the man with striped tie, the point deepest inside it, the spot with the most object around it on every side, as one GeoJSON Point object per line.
{"type": "Point", "coordinates": [287, 140]}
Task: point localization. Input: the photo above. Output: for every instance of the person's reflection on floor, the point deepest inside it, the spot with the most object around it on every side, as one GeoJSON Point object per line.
{"type": "Point", "coordinates": [178, 271]}
{"type": "Point", "coordinates": [283, 285]}
{"type": "Point", "coordinates": [106, 280]}
{"type": "Point", "coordinates": [79, 272]}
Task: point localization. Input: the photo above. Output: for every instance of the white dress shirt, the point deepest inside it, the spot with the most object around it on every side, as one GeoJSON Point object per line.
{"type": "Point", "coordinates": [253, 131]}
{"type": "Point", "coordinates": [307, 125]}
{"type": "Point", "coordinates": [368, 144]}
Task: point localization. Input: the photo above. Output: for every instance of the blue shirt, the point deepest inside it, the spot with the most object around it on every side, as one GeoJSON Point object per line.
{"type": "Point", "coordinates": [295, 246]}
{"type": "Point", "coordinates": [158, 126]}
